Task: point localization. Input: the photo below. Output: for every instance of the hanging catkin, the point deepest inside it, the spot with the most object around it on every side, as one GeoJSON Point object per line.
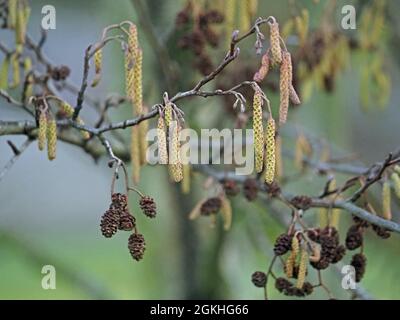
{"type": "Point", "coordinates": [143, 128]}
{"type": "Point", "coordinates": [335, 212]}
{"type": "Point", "coordinates": [293, 96]}
{"type": "Point", "coordinates": [68, 110]}
{"type": "Point", "coordinates": [396, 183]}
{"type": "Point", "coordinates": [186, 179]}
{"type": "Point", "coordinates": [226, 212]}
{"type": "Point", "coordinates": [135, 154]}
{"type": "Point", "coordinates": [386, 208]}
{"type": "Point", "coordinates": [244, 15]}
{"type": "Point", "coordinates": [12, 13]}
{"type": "Point", "coordinates": [98, 58]}
{"type": "Point", "coordinates": [15, 70]}
{"type": "Point", "coordinates": [284, 86]}
{"type": "Point", "coordinates": [291, 260]}
{"type": "Point", "coordinates": [270, 151]}
{"type": "Point", "coordinates": [258, 131]}
{"type": "Point", "coordinates": [129, 75]}
{"type": "Point", "coordinates": [175, 165]}
{"type": "Point", "coordinates": [20, 24]}
{"type": "Point", "coordinates": [51, 138]}
{"type": "Point", "coordinates": [42, 132]}
{"type": "Point", "coordinates": [137, 83]}
{"type": "Point", "coordinates": [230, 13]}
{"type": "Point", "coordinates": [302, 269]}
{"type": "Point", "coordinates": [276, 51]}
{"type": "Point", "coordinates": [162, 141]}
{"type": "Point", "coordinates": [5, 66]}
{"type": "Point", "coordinates": [278, 156]}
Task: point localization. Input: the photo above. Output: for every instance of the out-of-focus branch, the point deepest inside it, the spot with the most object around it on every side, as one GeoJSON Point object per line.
{"type": "Point", "coordinates": [15, 157]}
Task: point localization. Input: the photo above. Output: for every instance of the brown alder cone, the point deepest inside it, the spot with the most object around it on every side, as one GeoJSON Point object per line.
{"type": "Point", "coordinates": [135, 154]}
{"type": "Point", "coordinates": [270, 151]}
{"type": "Point", "coordinates": [276, 52]}
{"type": "Point", "coordinates": [258, 131]}
{"type": "Point", "coordinates": [284, 86]}
{"type": "Point", "coordinates": [162, 141]}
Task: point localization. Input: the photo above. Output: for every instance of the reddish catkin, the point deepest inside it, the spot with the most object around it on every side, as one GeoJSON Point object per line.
{"type": "Point", "coordinates": [386, 208]}
{"type": "Point", "coordinates": [51, 138]}
{"type": "Point", "coordinates": [42, 130]}
{"type": "Point", "coordinates": [276, 51]}
{"type": "Point", "coordinates": [284, 86]}
{"type": "Point", "coordinates": [162, 141]}
{"type": "Point", "coordinates": [258, 131]}
{"type": "Point", "coordinates": [270, 151]}
{"type": "Point", "coordinates": [135, 154]}
{"type": "Point", "coordinates": [302, 269]}
{"type": "Point", "coordinates": [293, 96]}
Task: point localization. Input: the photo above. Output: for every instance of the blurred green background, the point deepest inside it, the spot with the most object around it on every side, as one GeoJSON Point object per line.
{"type": "Point", "coordinates": [50, 211]}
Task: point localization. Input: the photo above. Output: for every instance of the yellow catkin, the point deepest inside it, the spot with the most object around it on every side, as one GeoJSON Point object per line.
{"type": "Point", "coordinates": [137, 83]}
{"type": "Point", "coordinates": [162, 141]}
{"type": "Point", "coordinates": [278, 156]}
{"type": "Point", "coordinates": [230, 13]}
{"type": "Point", "coordinates": [12, 13]}
{"type": "Point", "coordinates": [42, 132]}
{"type": "Point", "coordinates": [15, 71]}
{"type": "Point", "coordinates": [396, 169]}
{"type": "Point", "coordinates": [270, 151]}
{"type": "Point", "coordinates": [175, 165]}
{"type": "Point", "coordinates": [291, 260]}
{"type": "Point", "coordinates": [284, 86]}
{"type": "Point", "coordinates": [168, 114]}
{"type": "Point", "coordinates": [226, 212]}
{"type": "Point", "coordinates": [302, 269]}
{"type": "Point", "coordinates": [396, 183]}
{"type": "Point", "coordinates": [386, 208]}
{"type": "Point", "coordinates": [51, 138]}
{"type": "Point", "coordinates": [143, 128]}
{"type": "Point", "coordinates": [298, 153]}
{"type": "Point", "coordinates": [186, 181]}
{"type": "Point", "coordinates": [68, 110]}
{"type": "Point", "coordinates": [258, 131]}
{"type": "Point", "coordinates": [98, 58]}
{"type": "Point", "coordinates": [20, 24]}
{"type": "Point", "coordinates": [323, 217]}
{"type": "Point", "coordinates": [335, 212]}
{"type": "Point", "coordinates": [29, 78]}
{"type": "Point", "coordinates": [5, 66]}
{"type": "Point", "coordinates": [252, 8]}
{"type": "Point", "coordinates": [135, 154]}
{"type": "Point", "coordinates": [276, 52]}
{"type": "Point", "coordinates": [244, 15]}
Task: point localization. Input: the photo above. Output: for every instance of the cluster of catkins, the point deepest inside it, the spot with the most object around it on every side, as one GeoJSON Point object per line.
{"type": "Point", "coordinates": [198, 32]}
{"type": "Point", "coordinates": [118, 217]}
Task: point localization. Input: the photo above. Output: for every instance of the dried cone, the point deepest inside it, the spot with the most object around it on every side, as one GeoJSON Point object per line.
{"type": "Point", "coordinates": [148, 206]}
{"type": "Point", "coordinates": [386, 198]}
{"type": "Point", "coordinates": [270, 151]}
{"type": "Point", "coordinates": [51, 138]}
{"type": "Point", "coordinates": [135, 154]}
{"type": "Point", "coordinates": [42, 130]}
{"type": "Point", "coordinates": [211, 206]}
{"type": "Point", "coordinates": [175, 165]}
{"type": "Point", "coordinates": [285, 82]}
{"type": "Point", "coordinates": [259, 279]}
{"type": "Point", "coordinates": [136, 246]}
{"type": "Point", "coordinates": [258, 130]}
{"type": "Point", "coordinates": [162, 141]}
{"type": "Point", "coordinates": [226, 212]}
{"type": "Point", "coordinates": [282, 244]}
{"type": "Point", "coordinates": [301, 276]}
{"type": "Point", "coordinates": [109, 223]}
{"type": "Point", "coordinates": [276, 51]}
{"type": "Point", "coordinates": [126, 221]}
{"type": "Point", "coordinates": [291, 260]}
